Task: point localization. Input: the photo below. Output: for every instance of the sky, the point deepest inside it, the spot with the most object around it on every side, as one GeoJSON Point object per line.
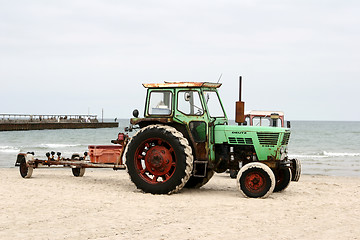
{"type": "Point", "coordinates": [81, 56]}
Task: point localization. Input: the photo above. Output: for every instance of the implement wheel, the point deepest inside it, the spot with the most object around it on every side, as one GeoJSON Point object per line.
{"type": "Point", "coordinates": [283, 179]}
{"type": "Point", "coordinates": [77, 172]}
{"type": "Point", "coordinates": [256, 180]}
{"type": "Point", "coordinates": [25, 170]}
{"type": "Point", "coordinates": [159, 159]}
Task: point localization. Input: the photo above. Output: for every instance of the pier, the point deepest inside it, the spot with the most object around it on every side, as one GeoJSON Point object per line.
{"type": "Point", "coordinates": [20, 122]}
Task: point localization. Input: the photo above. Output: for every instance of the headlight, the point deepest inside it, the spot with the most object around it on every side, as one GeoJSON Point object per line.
{"type": "Point", "coordinates": [282, 150]}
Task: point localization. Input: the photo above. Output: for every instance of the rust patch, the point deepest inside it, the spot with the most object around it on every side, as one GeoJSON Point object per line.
{"type": "Point", "coordinates": [181, 84]}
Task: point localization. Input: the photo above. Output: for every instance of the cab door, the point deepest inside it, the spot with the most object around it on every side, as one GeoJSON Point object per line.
{"type": "Point", "coordinates": [215, 114]}
{"type": "Point", "coordinates": [190, 112]}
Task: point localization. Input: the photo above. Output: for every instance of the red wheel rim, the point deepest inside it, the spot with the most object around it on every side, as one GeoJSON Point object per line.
{"type": "Point", "coordinates": [155, 160]}
{"type": "Point", "coordinates": [255, 182]}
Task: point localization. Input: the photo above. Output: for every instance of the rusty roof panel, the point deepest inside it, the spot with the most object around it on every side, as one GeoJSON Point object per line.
{"type": "Point", "coordinates": [181, 84]}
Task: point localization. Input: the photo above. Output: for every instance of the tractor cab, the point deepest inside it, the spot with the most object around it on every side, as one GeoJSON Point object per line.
{"type": "Point", "coordinates": [265, 118]}
{"type": "Point", "coordinates": [193, 108]}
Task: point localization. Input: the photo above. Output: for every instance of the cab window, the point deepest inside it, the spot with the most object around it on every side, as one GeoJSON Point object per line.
{"type": "Point", "coordinates": [160, 103]}
{"type": "Point", "coordinates": [213, 104]}
{"type": "Point", "coordinates": [189, 103]}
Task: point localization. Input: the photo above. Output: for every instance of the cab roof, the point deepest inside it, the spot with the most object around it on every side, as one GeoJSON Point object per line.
{"type": "Point", "coordinates": [181, 85]}
{"type": "Point", "coordinates": [261, 113]}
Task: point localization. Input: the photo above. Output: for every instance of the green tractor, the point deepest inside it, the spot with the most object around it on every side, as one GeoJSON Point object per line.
{"type": "Point", "coordinates": [185, 137]}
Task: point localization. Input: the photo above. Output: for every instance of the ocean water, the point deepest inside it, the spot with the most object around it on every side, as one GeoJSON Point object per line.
{"type": "Point", "coordinates": [324, 148]}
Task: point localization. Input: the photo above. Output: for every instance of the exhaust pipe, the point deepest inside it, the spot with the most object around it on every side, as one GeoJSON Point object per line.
{"type": "Point", "coordinates": [240, 107]}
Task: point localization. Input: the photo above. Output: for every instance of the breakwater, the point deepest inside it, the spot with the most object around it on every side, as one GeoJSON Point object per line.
{"type": "Point", "coordinates": [20, 122]}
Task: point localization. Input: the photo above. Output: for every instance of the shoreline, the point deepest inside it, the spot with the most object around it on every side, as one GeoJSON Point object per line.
{"type": "Point", "coordinates": [104, 204]}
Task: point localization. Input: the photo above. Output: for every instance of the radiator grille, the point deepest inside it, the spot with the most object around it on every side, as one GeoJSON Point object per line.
{"type": "Point", "coordinates": [240, 141]}
{"type": "Point", "coordinates": [268, 138]}
{"type": "Point", "coordinates": [286, 138]}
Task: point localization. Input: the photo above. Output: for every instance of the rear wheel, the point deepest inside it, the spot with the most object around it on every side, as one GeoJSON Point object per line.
{"type": "Point", "coordinates": [283, 179]}
{"type": "Point", "coordinates": [159, 159]}
{"type": "Point", "coordinates": [256, 180]}
{"type": "Point", "coordinates": [197, 182]}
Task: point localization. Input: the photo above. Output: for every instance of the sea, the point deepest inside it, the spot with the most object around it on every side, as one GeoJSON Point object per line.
{"type": "Point", "coordinates": [323, 147]}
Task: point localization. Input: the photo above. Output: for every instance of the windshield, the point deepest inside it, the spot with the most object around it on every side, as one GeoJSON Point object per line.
{"type": "Point", "coordinates": [213, 104]}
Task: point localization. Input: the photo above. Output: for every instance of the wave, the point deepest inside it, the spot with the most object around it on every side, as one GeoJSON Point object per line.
{"type": "Point", "coordinates": [58, 145]}
{"type": "Point", "coordinates": [332, 154]}
{"type": "Point", "coordinates": [325, 154]}
{"type": "Point", "coordinates": [9, 149]}
{"type": "Point", "coordinates": [306, 156]}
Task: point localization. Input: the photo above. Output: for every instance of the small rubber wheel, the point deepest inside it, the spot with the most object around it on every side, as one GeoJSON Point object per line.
{"type": "Point", "coordinates": [295, 170]}
{"type": "Point", "coordinates": [78, 172]}
{"type": "Point", "coordinates": [256, 180]}
{"type": "Point", "coordinates": [283, 179]}
{"type": "Point", "coordinates": [25, 170]}
{"type": "Point", "coordinates": [198, 182]}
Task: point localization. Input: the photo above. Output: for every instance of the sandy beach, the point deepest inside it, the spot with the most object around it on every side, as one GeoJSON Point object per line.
{"type": "Point", "coordinates": [104, 204]}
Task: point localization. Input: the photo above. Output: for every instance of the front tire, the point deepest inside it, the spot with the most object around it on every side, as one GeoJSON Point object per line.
{"type": "Point", "coordinates": [295, 170]}
{"type": "Point", "coordinates": [283, 179]}
{"type": "Point", "coordinates": [233, 173]}
{"type": "Point", "coordinates": [159, 159]}
{"type": "Point", "coordinates": [256, 180]}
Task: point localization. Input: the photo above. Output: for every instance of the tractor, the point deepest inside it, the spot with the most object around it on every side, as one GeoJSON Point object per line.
{"type": "Point", "coordinates": [185, 137]}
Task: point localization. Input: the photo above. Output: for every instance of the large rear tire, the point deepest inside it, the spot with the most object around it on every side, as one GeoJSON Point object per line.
{"type": "Point", "coordinates": [256, 180]}
{"type": "Point", "coordinates": [283, 179]}
{"type": "Point", "coordinates": [198, 182]}
{"type": "Point", "coordinates": [159, 159]}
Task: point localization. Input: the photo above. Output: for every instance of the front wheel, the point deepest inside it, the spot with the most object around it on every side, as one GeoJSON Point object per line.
{"type": "Point", "coordinates": [283, 179]}
{"type": "Point", "coordinates": [233, 173]}
{"type": "Point", "coordinates": [256, 180]}
{"type": "Point", "coordinates": [295, 170]}
{"type": "Point", "coordinates": [159, 159]}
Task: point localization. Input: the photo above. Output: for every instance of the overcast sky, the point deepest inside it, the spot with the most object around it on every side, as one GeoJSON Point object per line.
{"type": "Point", "coordinates": [79, 56]}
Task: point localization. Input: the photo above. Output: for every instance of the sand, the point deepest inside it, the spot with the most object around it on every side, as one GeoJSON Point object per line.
{"type": "Point", "coordinates": [104, 204]}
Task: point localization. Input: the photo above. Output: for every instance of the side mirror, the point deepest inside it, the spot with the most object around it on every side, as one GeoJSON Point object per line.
{"type": "Point", "coordinates": [187, 96]}
{"type": "Point", "coordinates": [136, 113]}
{"type": "Point", "coordinates": [288, 124]}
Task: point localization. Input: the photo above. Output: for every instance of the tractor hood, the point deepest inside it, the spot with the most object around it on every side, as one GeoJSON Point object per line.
{"type": "Point", "coordinates": [266, 140]}
{"type": "Point", "coordinates": [225, 133]}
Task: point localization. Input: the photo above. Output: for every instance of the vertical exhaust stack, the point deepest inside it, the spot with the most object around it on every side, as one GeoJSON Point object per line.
{"type": "Point", "coordinates": [240, 107]}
